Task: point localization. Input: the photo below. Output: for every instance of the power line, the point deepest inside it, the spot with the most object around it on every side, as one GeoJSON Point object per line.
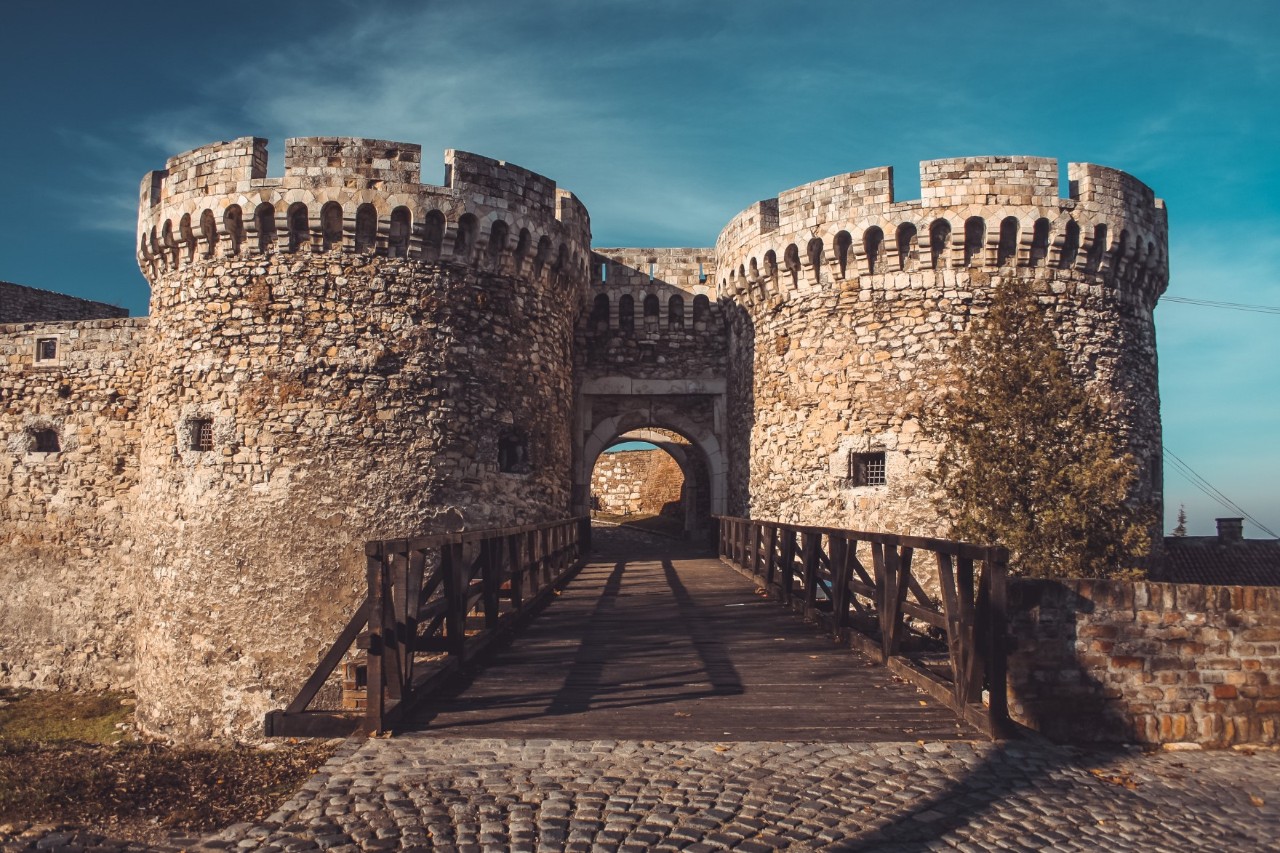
{"type": "Point", "coordinates": [1231, 306]}
{"type": "Point", "coordinates": [1209, 489]}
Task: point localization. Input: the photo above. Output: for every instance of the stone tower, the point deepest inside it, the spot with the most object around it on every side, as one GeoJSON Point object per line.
{"type": "Point", "coordinates": [338, 354]}
{"type": "Point", "coordinates": [848, 301]}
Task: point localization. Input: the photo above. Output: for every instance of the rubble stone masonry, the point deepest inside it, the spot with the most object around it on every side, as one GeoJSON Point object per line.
{"type": "Point", "coordinates": [345, 353]}
{"type": "Point", "coordinates": [643, 482]}
{"type": "Point", "coordinates": [20, 304]}
{"type": "Point", "coordinates": [846, 302]}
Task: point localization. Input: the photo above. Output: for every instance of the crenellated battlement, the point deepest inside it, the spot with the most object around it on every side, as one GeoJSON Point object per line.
{"type": "Point", "coordinates": [345, 194]}
{"type": "Point", "coordinates": [988, 213]}
{"type": "Point", "coordinates": [650, 291]}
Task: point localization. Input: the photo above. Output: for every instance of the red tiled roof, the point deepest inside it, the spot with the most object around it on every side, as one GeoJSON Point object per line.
{"type": "Point", "coordinates": [1207, 559]}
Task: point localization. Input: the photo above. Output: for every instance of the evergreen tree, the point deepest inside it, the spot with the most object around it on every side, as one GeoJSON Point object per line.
{"type": "Point", "coordinates": [1026, 459]}
{"type": "Point", "coordinates": [1181, 529]}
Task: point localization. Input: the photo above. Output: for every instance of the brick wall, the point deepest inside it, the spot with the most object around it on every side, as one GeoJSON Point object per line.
{"type": "Point", "coordinates": [1114, 661]}
{"type": "Point", "coordinates": [637, 481]}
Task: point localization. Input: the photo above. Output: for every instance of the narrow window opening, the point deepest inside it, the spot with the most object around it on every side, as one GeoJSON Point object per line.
{"type": "Point", "coordinates": [200, 437]}
{"type": "Point", "coordinates": [46, 441]}
{"type": "Point", "coordinates": [627, 314]}
{"type": "Point", "coordinates": [651, 309]}
{"type": "Point", "coordinates": [398, 233]}
{"type": "Point", "coordinates": [46, 349]}
{"type": "Point", "coordinates": [975, 235]}
{"type": "Point", "coordinates": [1070, 245]}
{"type": "Point", "coordinates": [939, 238]}
{"type": "Point", "coordinates": [600, 313]}
{"type": "Point", "coordinates": [867, 469]}
{"type": "Point", "coordinates": [872, 240]}
{"type": "Point", "coordinates": [1040, 242]}
{"type": "Point", "coordinates": [906, 239]}
{"type": "Point", "coordinates": [513, 453]}
{"type": "Point", "coordinates": [331, 225]}
{"type": "Point", "coordinates": [1007, 251]}
{"type": "Point", "coordinates": [675, 312]}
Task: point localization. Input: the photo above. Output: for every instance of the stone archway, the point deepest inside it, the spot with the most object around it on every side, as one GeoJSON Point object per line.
{"type": "Point", "coordinates": [607, 418]}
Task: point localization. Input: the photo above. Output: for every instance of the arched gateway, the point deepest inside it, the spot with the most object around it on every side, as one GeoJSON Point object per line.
{"type": "Point", "coordinates": [652, 353]}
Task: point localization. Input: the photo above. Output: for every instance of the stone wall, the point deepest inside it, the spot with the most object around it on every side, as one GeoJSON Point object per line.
{"type": "Point", "coordinates": [336, 355]}
{"type": "Point", "coordinates": [845, 304]}
{"type": "Point", "coordinates": [65, 542]}
{"type": "Point", "coordinates": [628, 482]}
{"type": "Point", "coordinates": [20, 304]}
{"type": "Point", "coordinates": [653, 314]}
{"type": "Point", "coordinates": [1114, 661]}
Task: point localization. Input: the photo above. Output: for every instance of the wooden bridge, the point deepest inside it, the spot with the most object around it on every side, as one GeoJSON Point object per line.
{"type": "Point", "coordinates": [649, 639]}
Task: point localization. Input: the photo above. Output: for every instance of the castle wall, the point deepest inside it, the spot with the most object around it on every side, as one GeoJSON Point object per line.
{"type": "Point", "coordinates": [847, 302]}
{"type": "Point", "coordinates": [652, 314]}
{"type": "Point", "coordinates": [1122, 662]}
{"type": "Point", "coordinates": [369, 358]}
{"type": "Point", "coordinates": [21, 304]}
{"type": "Point", "coordinates": [646, 482]}
{"type": "Point", "coordinates": [65, 546]}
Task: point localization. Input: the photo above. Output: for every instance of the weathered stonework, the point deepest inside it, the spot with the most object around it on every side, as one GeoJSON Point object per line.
{"type": "Point", "coordinates": [1123, 662]}
{"type": "Point", "coordinates": [20, 304]}
{"type": "Point", "coordinates": [65, 547]}
{"type": "Point", "coordinates": [646, 482]}
{"type": "Point", "coordinates": [344, 353]}
{"type": "Point", "coordinates": [845, 303]}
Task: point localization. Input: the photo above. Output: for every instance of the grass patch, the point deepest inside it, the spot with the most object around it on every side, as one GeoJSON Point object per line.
{"type": "Point", "coordinates": [31, 717]}
{"type": "Point", "coordinates": [65, 759]}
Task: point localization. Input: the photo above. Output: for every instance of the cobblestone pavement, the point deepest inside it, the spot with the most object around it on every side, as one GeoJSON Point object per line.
{"type": "Point", "coordinates": [417, 792]}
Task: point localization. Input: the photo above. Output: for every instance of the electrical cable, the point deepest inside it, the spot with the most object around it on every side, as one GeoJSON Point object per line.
{"type": "Point", "coordinates": [1213, 492]}
{"type": "Point", "coordinates": [1232, 306]}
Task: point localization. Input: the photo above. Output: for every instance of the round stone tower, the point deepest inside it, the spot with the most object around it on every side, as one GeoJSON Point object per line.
{"type": "Point", "coordinates": [336, 355]}
{"type": "Point", "coordinates": [847, 302]}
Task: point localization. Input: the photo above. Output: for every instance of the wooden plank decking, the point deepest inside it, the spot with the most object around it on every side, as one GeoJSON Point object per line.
{"type": "Point", "coordinates": [661, 643]}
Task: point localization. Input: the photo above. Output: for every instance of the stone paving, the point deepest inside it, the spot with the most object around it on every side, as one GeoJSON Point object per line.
{"type": "Point", "coordinates": [417, 792]}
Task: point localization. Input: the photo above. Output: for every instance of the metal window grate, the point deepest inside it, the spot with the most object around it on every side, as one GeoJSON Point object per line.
{"type": "Point", "coordinates": [46, 349]}
{"type": "Point", "coordinates": [867, 469]}
{"type": "Point", "coordinates": [202, 434]}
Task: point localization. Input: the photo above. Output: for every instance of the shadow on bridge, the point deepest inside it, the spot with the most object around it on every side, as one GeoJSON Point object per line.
{"type": "Point", "coordinates": [656, 639]}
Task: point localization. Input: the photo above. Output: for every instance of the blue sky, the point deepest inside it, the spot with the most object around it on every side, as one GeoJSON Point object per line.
{"type": "Point", "coordinates": [667, 118]}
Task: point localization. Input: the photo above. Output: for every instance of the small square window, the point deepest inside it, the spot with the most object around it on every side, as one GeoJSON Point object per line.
{"type": "Point", "coordinates": [513, 453]}
{"type": "Point", "coordinates": [201, 435]}
{"type": "Point", "coordinates": [867, 469]}
{"type": "Point", "coordinates": [46, 349]}
{"type": "Point", "coordinates": [46, 441]}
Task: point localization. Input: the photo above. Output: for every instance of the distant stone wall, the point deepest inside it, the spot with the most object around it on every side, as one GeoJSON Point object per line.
{"type": "Point", "coordinates": [65, 547]}
{"type": "Point", "coordinates": [1114, 661]}
{"type": "Point", "coordinates": [21, 304]}
{"type": "Point", "coordinates": [637, 481]}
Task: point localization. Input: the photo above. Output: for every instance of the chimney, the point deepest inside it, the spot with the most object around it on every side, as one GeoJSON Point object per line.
{"type": "Point", "coordinates": [1230, 529]}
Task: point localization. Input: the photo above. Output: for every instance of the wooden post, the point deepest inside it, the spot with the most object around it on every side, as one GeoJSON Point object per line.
{"type": "Point", "coordinates": [996, 571]}
{"type": "Point", "coordinates": [515, 571]}
{"type": "Point", "coordinates": [375, 700]}
{"type": "Point", "coordinates": [787, 563]}
{"type": "Point", "coordinates": [455, 593]}
{"type": "Point", "coordinates": [839, 547]}
{"type": "Point", "coordinates": [809, 557]}
{"type": "Point", "coordinates": [491, 580]}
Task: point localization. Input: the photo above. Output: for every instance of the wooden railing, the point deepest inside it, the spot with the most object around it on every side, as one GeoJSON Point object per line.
{"type": "Point", "coordinates": [435, 603]}
{"type": "Point", "coordinates": [950, 644]}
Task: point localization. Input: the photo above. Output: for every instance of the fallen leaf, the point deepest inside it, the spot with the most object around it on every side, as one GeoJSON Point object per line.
{"type": "Point", "coordinates": [1256, 800]}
